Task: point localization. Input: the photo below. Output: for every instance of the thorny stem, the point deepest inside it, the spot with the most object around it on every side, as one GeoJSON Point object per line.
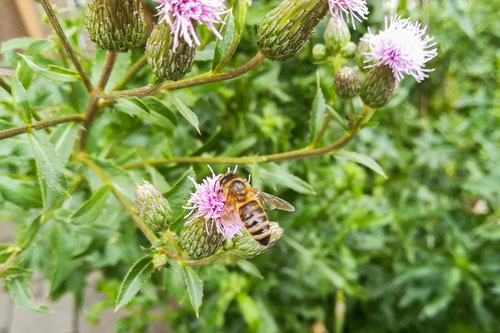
{"type": "Point", "coordinates": [65, 43]}
{"type": "Point", "coordinates": [40, 125]}
{"type": "Point", "coordinates": [5, 86]}
{"type": "Point", "coordinates": [278, 157]}
{"type": "Point", "coordinates": [92, 109]}
{"type": "Point", "coordinates": [194, 81]}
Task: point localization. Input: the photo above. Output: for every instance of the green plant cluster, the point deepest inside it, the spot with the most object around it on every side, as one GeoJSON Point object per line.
{"type": "Point", "coordinates": [405, 240]}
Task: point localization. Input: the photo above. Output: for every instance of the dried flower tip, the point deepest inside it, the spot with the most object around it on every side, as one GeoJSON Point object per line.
{"type": "Point", "coordinates": [153, 208]}
{"type": "Point", "coordinates": [184, 15]}
{"type": "Point", "coordinates": [346, 82]}
{"type": "Point", "coordinates": [404, 46]}
{"type": "Point", "coordinates": [349, 10]}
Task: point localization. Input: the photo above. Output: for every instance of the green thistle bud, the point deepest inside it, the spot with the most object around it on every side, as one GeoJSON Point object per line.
{"type": "Point", "coordinates": [360, 56]}
{"type": "Point", "coordinates": [153, 208]}
{"type": "Point", "coordinates": [165, 61]}
{"type": "Point", "coordinates": [337, 35]}
{"type": "Point", "coordinates": [349, 51]}
{"type": "Point", "coordinates": [197, 241]}
{"type": "Point", "coordinates": [319, 53]}
{"type": "Point", "coordinates": [346, 83]}
{"type": "Point", "coordinates": [288, 27]}
{"type": "Point", "coordinates": [246, 247]}
{"type": "Point", "coordinates": [159, 260]}
{"type": "Point", "coordinates": [116, 25]}
{"type": "Point", "coordinates": [379, 86]}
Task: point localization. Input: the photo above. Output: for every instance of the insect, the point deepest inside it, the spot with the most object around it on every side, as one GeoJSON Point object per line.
{"type": "Point", "coordinates": [247, 204]}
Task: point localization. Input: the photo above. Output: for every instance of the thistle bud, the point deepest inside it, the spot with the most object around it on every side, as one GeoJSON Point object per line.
{"type": "Point", "coordinates": [199, 241]}
{"type": "Point", "coordinates": [159, 260]}
{"type": "Point", "coordinates": [337, 35]}
{"type": "Point", "coordinates": [363, 48]}
{"type": "Point", "coordinates": [379, 86]}
{"type": "Point", "coordinates": [346, 82]}
{"type": "Point", "coordinates": [153, 208]}
{"type": "Point", "coordinates": [288, 27]}
{"type": "Point", "coordinates": [349, 51]}
{"type": "Point", "coordinates": [319, 53]}
{"type": "Point", "coordinates": [246, 247]}
{"type": "Point", "coordinates": [167, 58]}
{"type": "Point", "coordinates": [115, 25]}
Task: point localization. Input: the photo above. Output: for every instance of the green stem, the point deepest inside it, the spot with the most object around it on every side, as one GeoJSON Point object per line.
{"type": "Point", "coordinates": [121, 199]}
{"type": "Point", "coordinates": [65, 43]}
{"type": "Point", "coordinates": [279, 157]}
{"type": "Point", "coordinates": [194, 81]}
{"type": "Point", "coordinates": [5, 86]}
{"type": "Point", "coordinates": [40, 125]}
{"type": "Point", "coordinates": [92, 109]}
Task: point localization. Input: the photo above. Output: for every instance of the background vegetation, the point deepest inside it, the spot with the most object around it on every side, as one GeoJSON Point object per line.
{"type": "Point", "coordinates": [417, 252]}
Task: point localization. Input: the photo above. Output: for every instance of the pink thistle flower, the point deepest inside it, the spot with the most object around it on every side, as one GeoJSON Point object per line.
{"type": "Point", "coordinates": [403, 46]}
{"type": "Point", "coordinates": [348, 10]}
{"type": "Point", "coordinates": [183, 15]}
{"type": "Point", "coordinates": [207, 202]}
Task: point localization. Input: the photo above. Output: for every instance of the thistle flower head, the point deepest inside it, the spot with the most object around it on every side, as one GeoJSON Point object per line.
{"type": "Point", "coordinates": [183, 15]}
{"type": "Point", "coordinates": [403, 45]}
{"type": "Point", "coordinates": [207, 202]}
{"type": "Point", "coordinates": [348, 10]}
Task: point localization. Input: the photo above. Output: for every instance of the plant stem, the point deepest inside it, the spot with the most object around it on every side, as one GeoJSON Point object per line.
{"type": "Point", "coordinates": [131, 73]}
{"type": "Point", "coordinates": [92, 109]}
{"type": "Point", "coordinates": [40, 125]}
{"type": "Point", "coordinates": [194, 81]}
{"type": "Point", "coordinates": [278, 157]}
{"type": "Point", "coordinates": [65, 43]}
{"type": "Point", "coordinates": [5, 86]}
{"type": "Point", "coordinates": [322, 131]}
{"type": "Point", "coordinates": [121, 199]}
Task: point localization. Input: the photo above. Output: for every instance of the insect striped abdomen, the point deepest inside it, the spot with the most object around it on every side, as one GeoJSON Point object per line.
{"type": "Point", "coordinates": [255, 221]}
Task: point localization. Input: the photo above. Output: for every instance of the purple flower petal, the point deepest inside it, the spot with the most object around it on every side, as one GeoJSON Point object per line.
{"type": "Point", "coordinates": [349, 10]}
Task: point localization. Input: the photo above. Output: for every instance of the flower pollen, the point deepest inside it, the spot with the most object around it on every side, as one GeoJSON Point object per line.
{"type": "Point", "coordinates": [349, 10]}
{"type": "Point", "coordinates": [403, 46]}
{"type": "Point", "coordinates": [184, 15]}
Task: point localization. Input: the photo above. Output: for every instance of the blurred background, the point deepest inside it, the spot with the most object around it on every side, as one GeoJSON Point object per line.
{"type": "Point", "coordinates": [417, 252]}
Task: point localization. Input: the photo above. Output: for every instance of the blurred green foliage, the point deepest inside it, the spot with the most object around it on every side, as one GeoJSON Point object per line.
{"type": "Point", "coordinates": [417, 252]}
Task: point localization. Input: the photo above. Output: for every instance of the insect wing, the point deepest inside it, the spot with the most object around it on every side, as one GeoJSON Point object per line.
{"type": "Point", "coordinates": [229, 214]}
{"type": "Point", "coordinates": [270, 202]}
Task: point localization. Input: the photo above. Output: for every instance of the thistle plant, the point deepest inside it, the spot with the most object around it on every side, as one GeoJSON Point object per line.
{"type": "Point", "coordinates": [80, 178]}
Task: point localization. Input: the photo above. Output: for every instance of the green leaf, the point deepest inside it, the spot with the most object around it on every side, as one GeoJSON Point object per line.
{"type": "Point", "coordinates": [274, 175]}
{"type": "Point", "coordinates": [54, 73]}
{"type": "Point", "coordinates": [16, 43]}
{"type": "Point", "coordinates": [138, 274]}
{"type": "Point", "coordinates": [318, 112]}
{"type": "Point", "coordinates": [250, 268]}
{"type": "Point", "coordinates": [19, 289]}
{"type": "Point", "coordinates": [179, 193]}
{"type": "Point", "coordinates": [63, 139]}
{"type": "Point", "coordinates": [362, 159]}
{"type": "Point", "coordinates": [186, 112]}
{"type": "Point", "coordinates": [224, 46]}
{"type": "Point", "coordinates": [23, 193]}
{"type": "Point", "coordinates": [50, 163]}
{"type": "Point", "coordinates": [338, 118]}
{"type": "Point", "coordinates": [92, 208]}
{"type": "Point", "coordinates": [135, 107]}
{"type": "Point", "coordinates": [194, 286]}
{"type": "Point", "coordinates": [458, 15]}
{"type": "Point", "coordinates": [249, 310]}
{"type": "Point", "coordinates": [20, 96]}
{"type": "Point", "coordinates": [26, 235]}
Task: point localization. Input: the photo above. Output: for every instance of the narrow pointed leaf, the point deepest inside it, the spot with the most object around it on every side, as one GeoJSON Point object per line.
{"type": "Point", "coordinates": [194, 286]}
{"type": "Point", "coordinates": [363, 160]}
{"type": "Point", "coordinates": [92, 208]}
{"type": "Point", "coordinates": [138, 274]}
